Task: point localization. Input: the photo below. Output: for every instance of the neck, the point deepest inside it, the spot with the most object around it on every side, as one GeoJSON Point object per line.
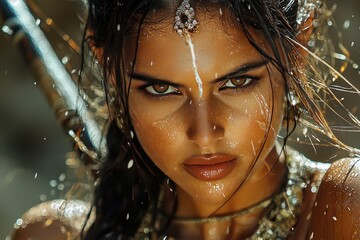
{"type": "Point", "coordinates": [250, 193]}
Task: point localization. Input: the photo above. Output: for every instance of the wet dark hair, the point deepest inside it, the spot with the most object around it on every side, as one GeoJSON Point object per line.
{"type": "Point", "coordinates": [123, 196]}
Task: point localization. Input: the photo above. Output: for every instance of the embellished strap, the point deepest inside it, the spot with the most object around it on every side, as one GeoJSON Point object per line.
{"type": "Point", "coordinates": [72, 215]}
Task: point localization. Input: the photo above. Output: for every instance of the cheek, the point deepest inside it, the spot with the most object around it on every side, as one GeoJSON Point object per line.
{"type": "Point", "coordinates": [256, 122]}
{"type": "Point", "coordinates": [246, 127]}
{"type": "Point", "coordinates": [159, 134]}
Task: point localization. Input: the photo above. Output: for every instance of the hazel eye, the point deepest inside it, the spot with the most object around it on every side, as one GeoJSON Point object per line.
{"type": "Point", "coordinates": [162, 89]}
{"type": "Point", "coordinates": [237, 82]}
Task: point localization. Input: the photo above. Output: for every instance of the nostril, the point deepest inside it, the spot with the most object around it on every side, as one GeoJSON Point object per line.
{"type": "Point", "coordinates": [205, 136]}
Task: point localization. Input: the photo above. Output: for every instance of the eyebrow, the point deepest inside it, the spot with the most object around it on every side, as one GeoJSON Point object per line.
{"type": "Point", "coordinates": [241, 69]}
{"type": "Point", "coordinates": [150, 79]}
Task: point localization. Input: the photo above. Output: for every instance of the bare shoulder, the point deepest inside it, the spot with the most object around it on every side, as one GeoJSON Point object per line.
{"type": "Point", "coordinates": [336, 211]}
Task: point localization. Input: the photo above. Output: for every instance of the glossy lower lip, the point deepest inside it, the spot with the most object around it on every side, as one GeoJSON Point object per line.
{"type": "Point", "coordinates": [210, 167]}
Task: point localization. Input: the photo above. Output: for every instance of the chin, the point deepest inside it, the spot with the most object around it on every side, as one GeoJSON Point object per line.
{"type": "Point", "coordinates": [216, 192]}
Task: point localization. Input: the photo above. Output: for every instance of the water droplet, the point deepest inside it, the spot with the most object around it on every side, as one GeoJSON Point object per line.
{"type": "Point", "coordinates": [48, 21]}
{"type": "Point", "coordinates": [311, 43]}
{"type": "Point", "coordinates": [35, 83]}
{"type": "Point", "coordinates": [334, 218]}
{"type": "Point", "coordinates": [118, 27]}
{"type": "Point", "coordinates": [62, 177]}
{"type": "Point", "coordinates": [131, 134]}
{"type": "Point", "coordinates": [130, 163]}
{"type": "Point", "coordinates": [7, 30]}
{"type": "Point", "coordinates": [42, 197]}
{"type": "Point", "coordinates": [36, 175]}
{"type": "Point", "coordinates": [38, 21]}
{"type": "Point", "coordinates": [19, 222]}
{"type": "Point", "coordinates": [65, 60]}
{"type": "Point", "coordinates": [305, 130]}
{"type": "Point", "coordinates": [60, 186]}
{"type": "Point", "coordinates": [352, 44]}
{"type": "Point", "coordinates": [355, 66]}
{"type": "Point", "coordinates": [53, 183]}
{"type": "Point", "coordinates": [44, 138]}
{"type": "Point", "coordinates": [127, 216]}
{"type": "Point", "coordinates": [220, 11]}
{"type": "Point", "coordinates": [346, 24]}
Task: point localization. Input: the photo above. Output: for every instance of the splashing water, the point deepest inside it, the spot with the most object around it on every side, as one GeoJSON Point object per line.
{"type": "Point", "coordinates": [194, 66]}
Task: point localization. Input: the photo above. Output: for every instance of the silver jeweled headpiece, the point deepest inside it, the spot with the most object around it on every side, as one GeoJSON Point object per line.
{"type": "Point", "coordinates": [185, 18]}
{"type": "Point", "coordinates": [306, 8]}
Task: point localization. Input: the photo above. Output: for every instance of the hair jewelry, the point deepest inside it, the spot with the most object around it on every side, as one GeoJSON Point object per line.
{"type": "Point", "coordinates": [185, 18]}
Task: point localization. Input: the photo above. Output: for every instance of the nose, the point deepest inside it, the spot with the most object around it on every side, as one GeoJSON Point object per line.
{"type": "Point", "coordinates": [204, 128]}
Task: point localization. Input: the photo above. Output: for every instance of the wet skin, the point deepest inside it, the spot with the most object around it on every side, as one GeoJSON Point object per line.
{"type": "Point", "coordinates": [238, 114]}
{"type": "Point", "coordinates": [231, 118]}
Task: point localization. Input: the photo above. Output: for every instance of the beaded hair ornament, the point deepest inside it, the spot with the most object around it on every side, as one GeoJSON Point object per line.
{"type": "Point", "coordinates": [185, 18]}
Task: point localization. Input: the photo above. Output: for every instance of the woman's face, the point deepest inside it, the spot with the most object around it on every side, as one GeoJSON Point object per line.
{"type": "Point", "coordinates": [205, 115]}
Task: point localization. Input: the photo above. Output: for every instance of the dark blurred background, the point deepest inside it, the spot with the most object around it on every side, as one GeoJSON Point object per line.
{"type": "Point", "coordinates": [32, 144]}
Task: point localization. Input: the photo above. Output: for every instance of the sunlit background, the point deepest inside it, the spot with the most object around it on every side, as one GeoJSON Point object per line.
{"type": "Point", "coordinates": [32, 144]}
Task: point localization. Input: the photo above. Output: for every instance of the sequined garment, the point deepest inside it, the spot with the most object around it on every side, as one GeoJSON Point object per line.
{"type": "Point", "coordinates": [277, 223]}
{"type": "Point", "coordinates": [72, 215]}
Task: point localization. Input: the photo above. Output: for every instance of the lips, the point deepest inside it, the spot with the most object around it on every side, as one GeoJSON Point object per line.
{"type": "Point", "coordinates": [210, 167]}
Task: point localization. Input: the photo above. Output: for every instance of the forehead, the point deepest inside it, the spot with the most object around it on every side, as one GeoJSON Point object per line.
{"type": "Point", "coordinates": [219, 46]}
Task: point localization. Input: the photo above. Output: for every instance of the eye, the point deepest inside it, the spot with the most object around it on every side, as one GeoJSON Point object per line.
{"type": "Point", "coordinates": [236, 82]}
{"type": "Point", "coordinates": [161, 89]}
